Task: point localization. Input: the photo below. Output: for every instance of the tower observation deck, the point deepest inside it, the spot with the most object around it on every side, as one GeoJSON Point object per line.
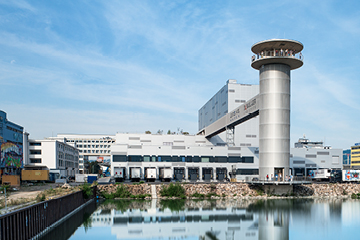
{"type": "Point", "coordinates": [274, 59]}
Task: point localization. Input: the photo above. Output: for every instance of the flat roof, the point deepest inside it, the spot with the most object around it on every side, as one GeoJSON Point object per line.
{"type": "Point", "coordinates": [277, 44]}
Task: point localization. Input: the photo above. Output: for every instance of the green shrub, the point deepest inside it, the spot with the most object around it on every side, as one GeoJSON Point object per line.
{"type": "Point", "coordinates": [40, 197]}
{"type": "Point", "coordinates": [259, 191]}
{"type": "Point", "coordinates": [234, 194]}
{"type": "Point", "coordinates": [198, 195]}
{"type": "Point", "coordinates": [173, 190]}
{"type": "Point", "coordinates": [86, 190]}
{"type": "Point", "coordinates": [209, 195]}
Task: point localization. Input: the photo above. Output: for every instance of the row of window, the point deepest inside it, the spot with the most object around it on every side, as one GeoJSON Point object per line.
{"type": "Point", "coordinates": [35, 151]}
{"type": "Point", "coordinates": [13, 129]}
{"type": "Point", "coordinates": [63, 163]}
{"type": "Point", "coordinates": [205, 159]}
{"type": "Point", "coordinates": [94, 151]}
{"type": "Point", "coordinates": [35, 143]}
{"type": "Point", "coordinates": [93, 146]}
{"type": "Point", "coordinates": [35, 160]}
{"type": "Point", "coordinates": [66, 148]}
{"type": "Point", "coordinates": [91, 141]}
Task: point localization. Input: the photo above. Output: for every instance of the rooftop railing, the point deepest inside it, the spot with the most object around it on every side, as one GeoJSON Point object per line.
{"type": "Point", "coordinates": [277, 54]}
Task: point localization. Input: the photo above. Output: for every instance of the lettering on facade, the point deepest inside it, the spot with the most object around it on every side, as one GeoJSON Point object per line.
{"type": "Point", "coordinates": [249, 104]}
{"type": "Point", "coordinates": [243, 110]}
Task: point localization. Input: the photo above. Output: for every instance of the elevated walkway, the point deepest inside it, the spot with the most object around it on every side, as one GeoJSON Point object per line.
{"type": "Point", "coordinates": [246, 111]}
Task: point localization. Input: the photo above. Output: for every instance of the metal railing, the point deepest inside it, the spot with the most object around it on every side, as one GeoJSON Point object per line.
{"type": "Point", "coordinates": [30, 221]}
{"type": "Point", "coordinates": [272, 54]}
{"type": "Point", "coordinates": [295, 180]}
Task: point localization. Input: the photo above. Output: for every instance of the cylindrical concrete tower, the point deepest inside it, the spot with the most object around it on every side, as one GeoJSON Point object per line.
{"type": "Point", "coordinates": [275, 58]}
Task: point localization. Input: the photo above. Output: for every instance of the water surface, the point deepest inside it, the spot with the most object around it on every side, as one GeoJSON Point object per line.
{"type": "Point", "coordinates": [210, 220]}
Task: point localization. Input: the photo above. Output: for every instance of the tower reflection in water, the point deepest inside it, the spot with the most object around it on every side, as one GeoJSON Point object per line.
{"type": "Point", "coordinates": [204, 220]}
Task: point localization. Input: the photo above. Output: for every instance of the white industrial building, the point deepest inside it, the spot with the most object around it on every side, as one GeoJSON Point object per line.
{"type": "Point", "coordinates": [195, 157]}
{"type": "Point", "coordinates": [188, 157]}
{"type": "Point", "coordinates": [229, 97]}
{"type": "Point", "coordinates": [51, 154]}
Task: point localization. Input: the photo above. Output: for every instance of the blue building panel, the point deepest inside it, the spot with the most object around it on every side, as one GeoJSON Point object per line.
{"type": "Point", "coordinates": [347, 157]}
{"type": "Point", "coordinates": [11, 143]}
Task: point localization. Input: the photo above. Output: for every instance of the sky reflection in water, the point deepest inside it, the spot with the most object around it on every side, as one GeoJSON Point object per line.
{"type": "Point", "coordinates": [210, 220]}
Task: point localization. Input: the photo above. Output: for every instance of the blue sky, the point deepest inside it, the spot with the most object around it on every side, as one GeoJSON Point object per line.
{"type": "Point", "coordinates": [131, 66]}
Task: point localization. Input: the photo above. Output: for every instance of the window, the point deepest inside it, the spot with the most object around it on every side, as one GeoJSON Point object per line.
{"type": "Point", "coordinates": [35, 160]}
{"type": "Point", "coordinates": [234, 159]}
{"type": "Point", "coordinates": [243, 171]}
{"type": "Point", "coordinates": [35, 151]}
{"type": "Point", "coordinates": [35, 144]}
{"type": "Point", "coordinates": [205, 159]}
{"type": "Point", "coordinates": [248, 159]}
{"type": "Point", "coordinates": [165, 159]}
{"type": "Point", "coordinates": [135, 158]}
{"type": "Point", "coordinates": [119, 158]}
{"type": "Point", "coordinates": [220, 159]}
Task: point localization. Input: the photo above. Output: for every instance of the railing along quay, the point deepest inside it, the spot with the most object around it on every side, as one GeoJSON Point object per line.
{"type": "Point", "coordinates": [30, 221]}
{"type": "Point", "coordinates": [293, 181]}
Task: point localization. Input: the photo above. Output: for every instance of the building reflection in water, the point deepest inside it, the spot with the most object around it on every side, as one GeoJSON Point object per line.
{"type": "Point", "coordinates": [262, 219]}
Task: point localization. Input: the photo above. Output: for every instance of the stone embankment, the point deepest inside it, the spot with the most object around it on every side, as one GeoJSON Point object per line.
{"type": "Point", "coordinates": [243, 190]}
{"type": "Point", "coordinates": [133, 189]}
{"type": "Point", "coordinates": [233, 190]}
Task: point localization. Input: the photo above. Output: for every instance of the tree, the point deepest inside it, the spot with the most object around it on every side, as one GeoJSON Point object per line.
{"type": "Point", "coordinates": [147, 132]}
{"type": "Point", "coordinates": [93, 167]}
{"type": "Point", "coordinates": [169, 132]}
{"type": "Point", "coordinates": [185, 133]}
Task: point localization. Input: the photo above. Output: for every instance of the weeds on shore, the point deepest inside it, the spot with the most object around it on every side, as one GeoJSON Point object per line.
{"type": "Point", "coordinates": [173, 190]}
{"type": "Point", "coordinates": [86, 190]}
{"type": "Point", "coordinates": [355, 196]}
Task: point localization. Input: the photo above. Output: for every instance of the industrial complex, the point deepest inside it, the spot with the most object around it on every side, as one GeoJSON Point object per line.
{"type": "Point", "coordinates": [243, 134]}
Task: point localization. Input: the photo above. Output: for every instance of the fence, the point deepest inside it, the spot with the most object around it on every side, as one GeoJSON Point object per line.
{"type": "Point", "coordinates": [30, 221]}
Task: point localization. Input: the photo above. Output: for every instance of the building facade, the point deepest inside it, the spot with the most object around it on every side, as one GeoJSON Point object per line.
{"type": "Point", "coordinates": [193, 157]}
{"type": "Point", "coordinates": [309, 155]}
{"type": "Point", "coordinates": [92, 147]}
{"type": "Point", "coordinates": [11, 146]}
{"type": "Point", "coordinates": [54, 155]}
{"type": "Point", "coordinates": [197, 158]}
{"type": "Point", "coordinates": [229, 97]}
{"type": "Point", "coordinates": [355, 156]}
{"type": "Point", "coordinates": [346, 158]}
